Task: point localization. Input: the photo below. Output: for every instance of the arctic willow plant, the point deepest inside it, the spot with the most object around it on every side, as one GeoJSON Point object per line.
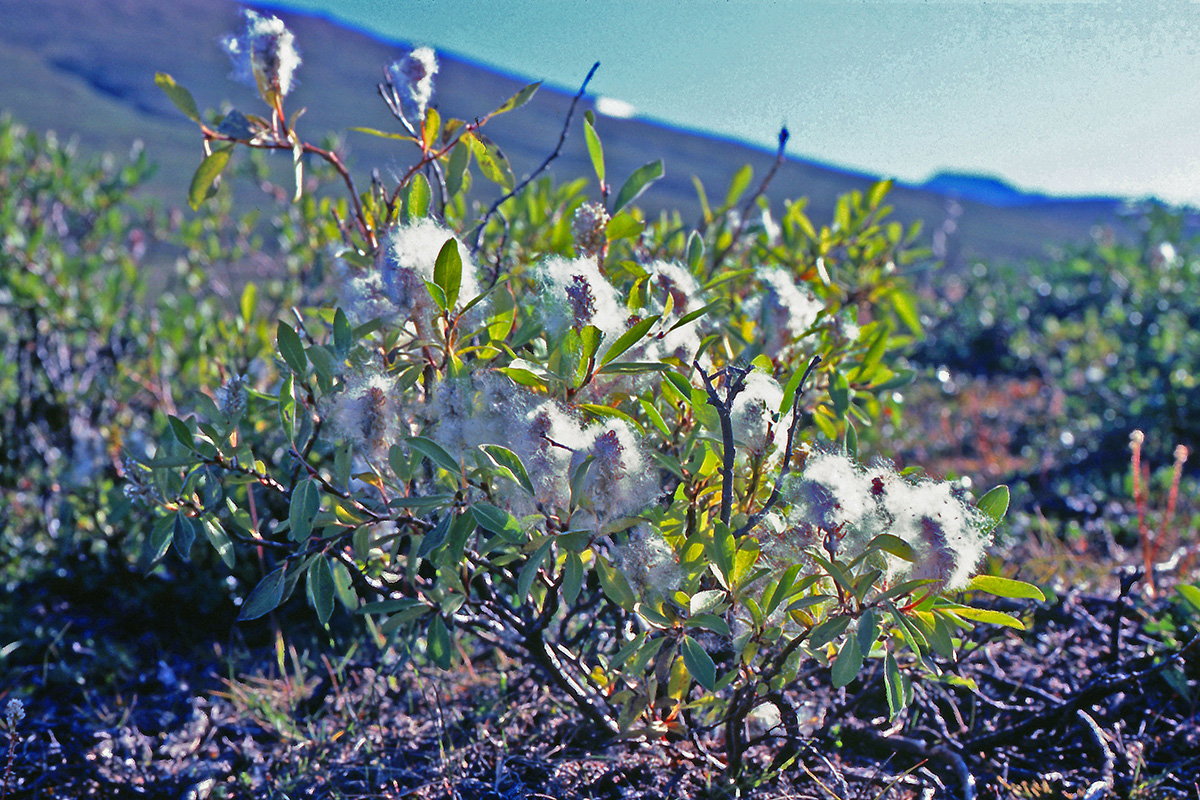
{"type": "Point", "coordinates": [584, 438]}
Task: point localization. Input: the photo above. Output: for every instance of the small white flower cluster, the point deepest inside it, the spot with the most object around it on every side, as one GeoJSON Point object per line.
{"type": "Point", "coordinates": [588, 228]}
{"type": "Point", "coordinates": [412, 79]}
{"type": "Point", "coordinates": [263, 54]}
{"type": "Point", "coordinates": [14, 712]}
{"type": "Point", "coordinates": [396, 292]}
{"type": "Point", "coordinates": [785, 312]}
{"type": "Point", "coordinates": [231, 397]}
{"type": "Point", "coordinates": [839, 506]}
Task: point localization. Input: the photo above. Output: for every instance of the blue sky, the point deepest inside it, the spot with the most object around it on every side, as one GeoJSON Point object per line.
{"type": "Point", "coordinates": [1063, 97]}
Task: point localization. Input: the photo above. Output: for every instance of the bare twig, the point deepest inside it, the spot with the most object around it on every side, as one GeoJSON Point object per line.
{"type": "Point", "coordinates": [719, 256]}
{"type": "Point", "coordinates": [562, 138]}
{"type": "Point", "coordinates": [736, 383]}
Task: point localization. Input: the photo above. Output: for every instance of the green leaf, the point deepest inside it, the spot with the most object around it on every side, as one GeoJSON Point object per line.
{"type": "Point", "coordinates": [906, 309]}
{"type": "Point", "coordinates": [182, 433]}
{"type": "Point", "coordinates": [417, 199]}
{"type": "Point", "coordinates": [897, 694]}
{"type": "Point", "coordinates": [878, 192]}
{"type": "Point", "coordinates": [435, 453]}
{"type": "Point", "coordinates": [343, 334]}
{"type": "Point", "coordinates": [628, 339]}
{"type": "Point", "coordinates": [530, 570]}
{"type": "Point", "coordinates": [202, 186]}
{"type": "Point", "coordinates": [572, 578]}
{"type": "Point", "coordinates": [637, 183]}
{"type": "Point", "coordinates": [995, 504]}
{"type": "Point", "coordinates": [827, 631]}
{"type": "Point", "coordinates": [699, 663]}
{"type": "Point", "coordinates": [722, 549]}
{"type": "Point", "coordinates": [510, 465]}
{"type": "Point", "coordinates": [695, 250]}
{"type": "Point", "coordinates": [447, 271]}
{"type": "Point", "coordinates": [287, 406]}
{"type": "Point", "coordinates": [988, 616]}
{"type": "Point", "coordinates": [456, 168]}
{"type": "Point", "coordinates": [266, 596]}
{"type": "Point", "coordinates": [850, 444]}
{"type": "Point", "coordinates": [498, 521]}
{"type": "Point", "coordinates": [291, 348]}
{"type": "Point", "coordinates": [890, 543]}
{"type": "Point", "coordinates": [492, 162]}
{"type": "Point", "coordinates": [594, 149]}
{"type": "Point", "coordinates": [739, 184]}
{"type": "Point", "coordinates": [249, 302]}
{"type": "Point", "coordinates": [849, 662]}
{"type": "Point", "coordinates": [1005, 587]}
{"type": "Point", "coordinates": [839, 393]}
{"type": "Point", "coordinates": [180, 96]}
{"type": "Point", "coordinates": [1191, 594]}
{"type": "Point", "coordinates": [404, 137]}
{"type": "Point", "coordinates": [615, 586]}
{"type": "Point", "coordinates": [320, 588]}
{"type": "Point", "coordinates": [184, 534]}
{"type": "Point", "coordinates": [623, 226]}
{"type": "Point", "coordinates": [519, 99]}
{"type": "Point", "coordinates": [305, 502]}
{"type": "Point", "coordinates": [436, 537]}
{"type": "Point", "coordinates": [217, 537]}
{"type": "Point", "coordinates": [437, 642]}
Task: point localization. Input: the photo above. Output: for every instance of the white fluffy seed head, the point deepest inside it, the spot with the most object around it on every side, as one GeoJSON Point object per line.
{"type": "Point", "coordinates": [412, 78]}
{"type": "Point", "coordinates": [753, 413]}
{"type": "Point", "coordinates": [785, 311]}
{"type": "Point", "coordinates": [575, 294]}
{"type": "Point", "coordinates": [264, 54]}
{"type": "Point", "coordinates": [409, 260]}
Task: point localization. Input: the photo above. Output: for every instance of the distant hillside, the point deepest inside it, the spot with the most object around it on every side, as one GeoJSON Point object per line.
{"type": "Point", "coordinates": [997, 192]}
{"type": "Point", "coordinates": [86, 69]}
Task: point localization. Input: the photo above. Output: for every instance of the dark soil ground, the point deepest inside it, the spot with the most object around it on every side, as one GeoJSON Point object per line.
{"type": "Point", "coordinates": [1096, 699]}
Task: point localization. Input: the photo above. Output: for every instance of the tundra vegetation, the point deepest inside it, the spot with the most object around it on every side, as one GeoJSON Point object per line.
{"type": "Point", "coordinates": [653, 465]}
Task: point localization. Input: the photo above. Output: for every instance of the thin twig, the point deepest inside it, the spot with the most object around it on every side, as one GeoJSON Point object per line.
{"type": "Point", "coordinates": [719, 256]}
{"type": "Point", "coordinates": [562, 138]}
{"type": "Point", "coordinates": [724, 407]}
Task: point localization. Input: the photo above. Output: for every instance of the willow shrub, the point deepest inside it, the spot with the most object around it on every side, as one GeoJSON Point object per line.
{"type": "Point", "coordinates": [580, 436]}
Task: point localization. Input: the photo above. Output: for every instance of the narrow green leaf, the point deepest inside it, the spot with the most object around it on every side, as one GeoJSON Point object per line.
{"type": "Point", "coordinates": [1005, 587]}
{"type": "Point", "coordinates": [848, 663]}
{"type": "Point", "coordinates": [456, 168]}
{"type": "Point", "coordinates": [417, 198]}
{"type": "Point", "coordinates": [529, 572]}
{"type": "Point", "coordinates": [699, 663]}
{"type": "Point", "coordinates": [206, 174]}
{"type": "Point", "coordinates": [906, 309]}
{"type": "Point", "coordinates": [739, 184]}
{"type": "Point", "coordinates": [628, 339]}
{"type": "Point", "coordinates": [894, 681]}
{"type": "Point", "coordinates": [184, 534]}
{"type": "Point", "coordinates": [447, 271]}
{"type": "Point", "coordinates": [343, 334]}
{"type": "Point", "coordinates": [320, 588]}
{"type": "Point", "coordinates": [572, 577]}
{"type": "Point", "coordinates": [178, 95]}
{"type": "Point", "coordinates": [492, 162]}
{"type": "Point", "coordinates": [519, 99]}
{"type": "Point", "coordinates": [266, 596]}
{"type": "Point", "coordinates": [287, 406]}
{"type": "Point", "coordinates": [510, 464]}
{"type": "Point", "coordinates": [404, 137]}
{"type": "Point", "coordinates": [305, 502]}
{"type": "Point", "coordinates": [219, 540]}
{"type": "Point", "coordinates": [182, 433]}
{"type": "Point", "coordinates": [989, 617]}
{"type": "Point", "coordinates": [1191, 594]}
{"type": "Point", "coordinates": [637, 183]}
{"type": "Point", "coordinates": [995, 503]}
{"type": "Point", "coordinates": [436, 537]}
{"type": "Point", "coordinates": [498, 521]}
{"type": "Point", "coordinates": [615, 586]}
{"type": "Point", "coordinates": [291, 348]}
{"type": "Point", "coordinates": [594, 149]}
{"type": "Point", "coordinates": [839, 393]}
{"type": "Point", "coordinates": [249, 302]}
{"type": "Point", "coordinates": [435, 453]}
{"type": "Point", "coordinates": [437, 642]}
{"type": "Point", "coordinates": [695, 251]}
{"type": "Point", "coordinates": [850, 443]}
{"type": "Point", "coordinates": [623, 226]}
{"type": "Point", "coordinates": [825, 632]}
